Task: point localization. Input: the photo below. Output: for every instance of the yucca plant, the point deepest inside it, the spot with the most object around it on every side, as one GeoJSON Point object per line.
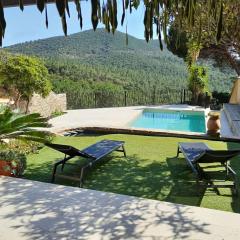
{"type": "Point", "coordinates": [23, 127]}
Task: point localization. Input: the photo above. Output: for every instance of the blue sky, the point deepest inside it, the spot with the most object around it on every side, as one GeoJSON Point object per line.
{"type": "Point", "coordinates": [30, 24]}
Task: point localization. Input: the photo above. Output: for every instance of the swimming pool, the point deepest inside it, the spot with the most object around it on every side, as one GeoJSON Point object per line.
{"type": "Point", "coordinates": [185, 121]}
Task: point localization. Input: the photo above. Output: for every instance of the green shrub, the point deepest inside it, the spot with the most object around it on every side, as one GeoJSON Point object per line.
{"type": "Point", "coordinates": [222, 97]}
{"type": "Point", "coordinates": [24, 147]}
{"type": "Point", "coordinates": [57, 113]}
{"type": "Point", "coordinates": [197, 81]}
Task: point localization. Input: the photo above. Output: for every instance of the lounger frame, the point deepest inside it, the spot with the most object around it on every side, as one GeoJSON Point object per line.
{"type": "Point", "coordinates": [201, 174]}
{"type": "Point", "coordinates": [71, 152]}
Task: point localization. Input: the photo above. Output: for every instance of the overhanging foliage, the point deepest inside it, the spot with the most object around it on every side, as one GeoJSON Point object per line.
{"type": "Point", "coordinates": [158, 12]}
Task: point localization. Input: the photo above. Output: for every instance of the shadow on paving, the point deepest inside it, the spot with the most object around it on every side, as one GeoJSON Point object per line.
{"type": "Point", "coordinates": [51, 212]}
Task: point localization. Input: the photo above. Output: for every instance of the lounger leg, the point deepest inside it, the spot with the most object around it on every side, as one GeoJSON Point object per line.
{"type": "Point", "coordinates": [234, 187]}
{"type": "Point", "coordinates": [124, 151]}
{"type": "Point", "coordinates": [56, 165]}
{"type": "Point", "coordinates": [54, 172]}
{"type": "Point", "coordinates": [64, 161]}
{"type": "Point", "coordinates": [215, 188]}
{"type": "Point", "coordinates": [178, 151]}
{"type": "Point", "coordinates": [81, 177]}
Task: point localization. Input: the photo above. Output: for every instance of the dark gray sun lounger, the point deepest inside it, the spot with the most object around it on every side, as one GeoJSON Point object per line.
{"type": "Point", "coordinates": [92, 154]}
{"type": "Point", "coordinates": [196, 153]}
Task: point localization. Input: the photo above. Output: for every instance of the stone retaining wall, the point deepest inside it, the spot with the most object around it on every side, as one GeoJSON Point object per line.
{"type": "Point", "coordinates": [46, 106]}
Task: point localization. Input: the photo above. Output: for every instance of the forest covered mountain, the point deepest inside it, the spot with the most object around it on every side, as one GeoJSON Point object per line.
{"type": "Point", "coordinates": [97, 60]}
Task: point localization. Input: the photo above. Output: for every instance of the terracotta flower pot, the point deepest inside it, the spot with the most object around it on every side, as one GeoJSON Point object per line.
{"type": "Point", "coordinates": [5, 168]}
{"type": "Point", "coordinates": [213, 124]}
{"type": "Point", "coordinates": [12, 163]}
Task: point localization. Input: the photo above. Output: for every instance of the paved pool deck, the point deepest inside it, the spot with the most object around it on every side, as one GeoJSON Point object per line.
{"type": "Point", "coordinates": [117, 117]}
{"type": "Point", "coordinates": [34, 210]}
{"type": "Point", "coordinates": [96, 117]}
{"type": "Point", "coordinates": [117, 120]}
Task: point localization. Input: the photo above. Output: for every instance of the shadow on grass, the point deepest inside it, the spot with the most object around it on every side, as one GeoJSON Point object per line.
{"type": "Point", "coordinates": [170, 181]}
{"type": "Point", "coordinates": [235, 164]}
{"type": "Point", "coordinates": [154, 180]}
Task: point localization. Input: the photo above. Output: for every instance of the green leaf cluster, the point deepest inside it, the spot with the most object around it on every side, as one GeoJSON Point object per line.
{"type": "Point", "coordinates": [23, 127]}
{"type": "Point", "coordinates": [198, 81]}
{"type": "Point", "coordinates": [22, 76]}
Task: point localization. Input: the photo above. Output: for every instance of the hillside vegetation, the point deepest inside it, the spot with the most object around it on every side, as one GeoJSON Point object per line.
{"type": "Point", "coordinates": [97, 60]}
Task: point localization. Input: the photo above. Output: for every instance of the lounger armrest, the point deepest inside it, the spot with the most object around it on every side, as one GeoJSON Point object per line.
{"type": "Point", "coordinates": [198, 157]}
{"type": "Point", "coordinates": [87, 155]}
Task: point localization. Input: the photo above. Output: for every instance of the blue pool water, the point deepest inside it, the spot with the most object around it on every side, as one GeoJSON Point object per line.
{"type": "Point", "coordinates": [172, 120]}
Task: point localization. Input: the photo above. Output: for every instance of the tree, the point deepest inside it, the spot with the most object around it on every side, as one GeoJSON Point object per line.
{"type": "Point", "coordinates": [202, 40]}
{"type": "Point", "coordinates": [177, 42]}
{"type": "Point", "coordinates": [23, 76]}
{"type": "Point", "coordinates": [198, 81]}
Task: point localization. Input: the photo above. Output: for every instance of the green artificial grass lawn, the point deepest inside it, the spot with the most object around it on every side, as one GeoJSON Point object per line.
{"type": "Point", "coordinates": [151, 170]}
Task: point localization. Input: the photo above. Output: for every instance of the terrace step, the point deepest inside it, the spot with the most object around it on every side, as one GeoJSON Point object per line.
{"type": "Point", "coordinates": [232, 112]}
{"type": "Point", "coordinates": [74, 133]}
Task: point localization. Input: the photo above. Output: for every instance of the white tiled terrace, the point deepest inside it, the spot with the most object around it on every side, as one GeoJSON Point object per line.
{"type": "Point", "coordinates": [35, 210]}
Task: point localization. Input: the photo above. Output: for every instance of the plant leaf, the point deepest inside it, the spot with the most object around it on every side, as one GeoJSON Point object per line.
{"type": "Point", "coordinates": [220, 24]}
{"type": "Point", "coordinates": [67, 7]}
{"type": "Point", "coordinates": [21, 4]}
{"type": "Point", "coordinates": [114, 18]}
{"type": "Point", "coordinates": [46, 16]}
{"type": "Point", "coordinates": [40, 5]}
{"type": "Point", "coordinates": [60, 7]}
{"type": "Point", "coordinates": [64, 24]}
{"type": "Point", "coordinates": [2, 21]}
{"type": "Point", "coordinates": [160, 40]}
{"type": "Point", "coordinates": [80, 17]}
{"type": "Point", "coordinates": [123, 13]}
{"type": "Point", "coordinates": [94, 14]}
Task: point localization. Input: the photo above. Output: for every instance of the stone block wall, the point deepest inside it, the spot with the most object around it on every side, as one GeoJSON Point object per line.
{"type": "Point", "coordinates": [46, 106]}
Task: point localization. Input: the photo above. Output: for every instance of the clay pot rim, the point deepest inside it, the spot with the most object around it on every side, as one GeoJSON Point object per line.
{"type": "Point", "coordinates": [214, 115]}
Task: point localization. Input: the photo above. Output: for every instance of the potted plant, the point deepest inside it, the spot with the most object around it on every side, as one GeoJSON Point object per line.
{"type": "Point", "coordinates": [213, 123]}
{"type": "Point", "coordinates": [18, 127]}
{"type": "Point", "coordinates": [12, 163]}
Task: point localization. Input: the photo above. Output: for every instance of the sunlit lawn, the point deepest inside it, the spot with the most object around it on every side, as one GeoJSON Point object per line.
{"type": "Point", "coordinates": [151, 170]}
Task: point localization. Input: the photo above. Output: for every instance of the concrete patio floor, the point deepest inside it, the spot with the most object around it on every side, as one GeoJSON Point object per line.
{"type": "Point", "coordinates": [117, 118]}
{"type": "Point", "coordinates": [35, 210]}
{"type": "Point", "coordinates": [96, 117]}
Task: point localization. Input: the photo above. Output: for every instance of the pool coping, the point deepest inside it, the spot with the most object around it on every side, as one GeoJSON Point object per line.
{"type": "Point", "coordinates": [144, 132]}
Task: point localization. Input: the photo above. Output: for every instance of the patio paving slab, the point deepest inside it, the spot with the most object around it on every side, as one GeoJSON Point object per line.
{"type": "Point", "coordinates": [35, 210]}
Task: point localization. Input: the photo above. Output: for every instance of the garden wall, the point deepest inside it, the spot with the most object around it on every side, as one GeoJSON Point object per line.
{"type": "Point", "coordinates": [46, 106]}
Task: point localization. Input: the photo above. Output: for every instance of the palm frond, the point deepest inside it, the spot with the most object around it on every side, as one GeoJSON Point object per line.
{"type": "Point", "coordinates": [14, 126]}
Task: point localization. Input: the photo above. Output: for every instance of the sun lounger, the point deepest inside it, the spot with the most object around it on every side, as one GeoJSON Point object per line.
{"type": "Point", "coordinates": [92, 154]}
{"type": "Point", "coordinates": [196, 153]}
